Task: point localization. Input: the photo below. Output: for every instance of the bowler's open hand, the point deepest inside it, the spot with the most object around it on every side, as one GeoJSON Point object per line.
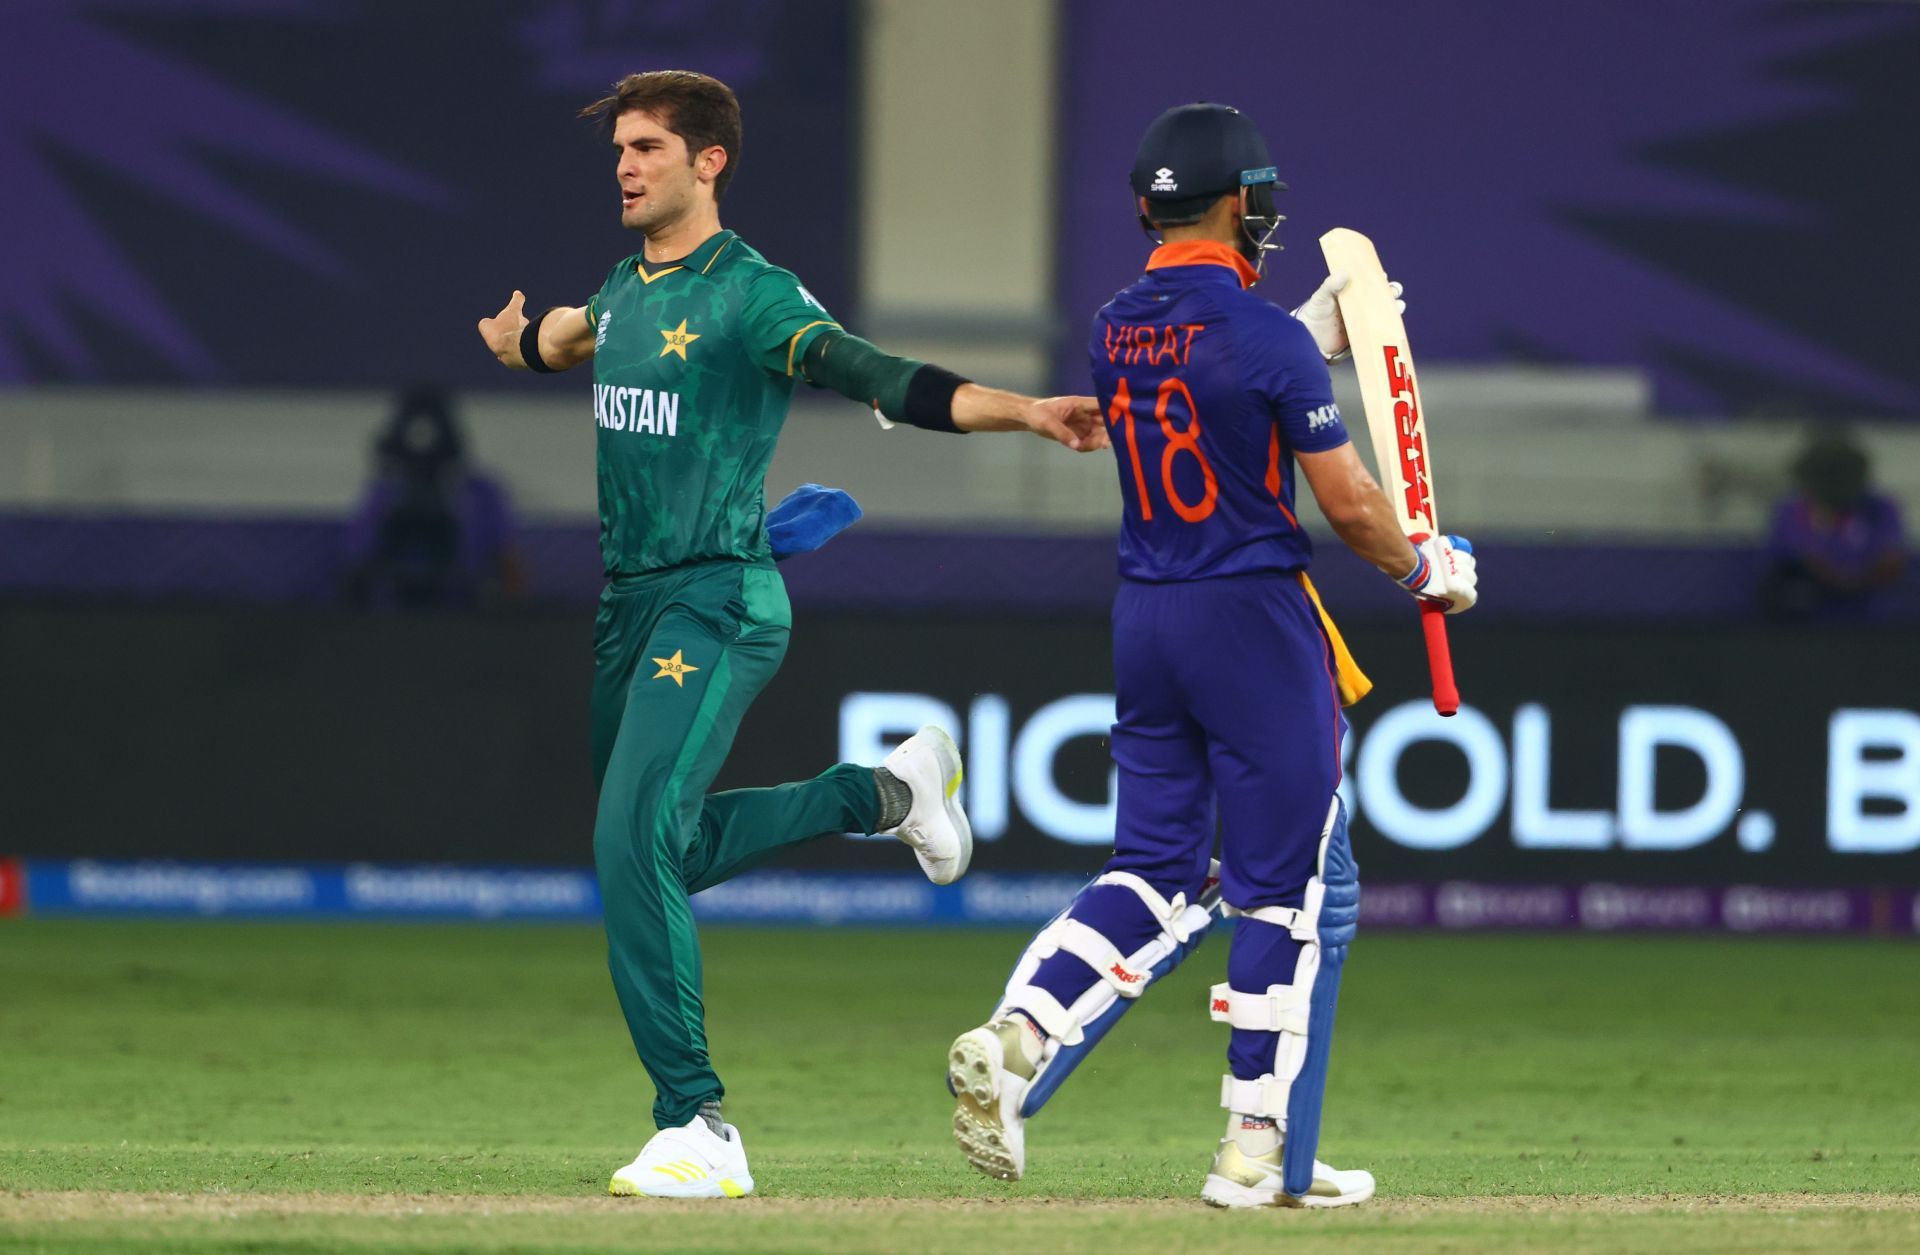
{"type": "Point", "coordinates": [502, 331]}
{"type": "Point", "coordinates": [1073, 421]}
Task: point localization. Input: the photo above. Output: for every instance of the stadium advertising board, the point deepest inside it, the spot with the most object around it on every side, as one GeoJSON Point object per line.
{"type": "Point", "coordinates": [891, 899]}
{"type": "Point", "coordinates": [1638, 755]}
{"type": "Point", "coordinates": [1629, 755]}
{"type": "Point", "coordinates": [1870, 761]}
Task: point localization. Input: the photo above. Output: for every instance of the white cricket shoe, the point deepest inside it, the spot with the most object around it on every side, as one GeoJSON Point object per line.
{"type": "Point", "coordinates": [988, 1070]}
{"type": "Point", "coordinates": [688, 1162]}
{"type": "Point", "coordinates": [936, 828]}
{"type": "Point", "coordinates": [1242, 1180]}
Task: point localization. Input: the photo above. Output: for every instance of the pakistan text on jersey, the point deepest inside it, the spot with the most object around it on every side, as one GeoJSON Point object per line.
{"type": "Point", "coordinates": [636, 409]}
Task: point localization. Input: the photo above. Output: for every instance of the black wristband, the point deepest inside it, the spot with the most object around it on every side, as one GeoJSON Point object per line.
{"type": "Point", "coordinates": [530, 346]}
{"type": "Point", "coordinates": [930, 399]}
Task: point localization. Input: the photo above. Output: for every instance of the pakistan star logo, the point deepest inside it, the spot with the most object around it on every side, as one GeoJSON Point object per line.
{"type": "Point", "coordinates": [674, 668]}
{"type": "Point", "coordinates": [677, 341]}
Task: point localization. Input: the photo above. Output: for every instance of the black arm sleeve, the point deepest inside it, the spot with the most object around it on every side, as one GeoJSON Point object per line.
{"type": "Point", "coordinates": [902, 389]}
{"type": "Point", "coordinates": [530, 345]}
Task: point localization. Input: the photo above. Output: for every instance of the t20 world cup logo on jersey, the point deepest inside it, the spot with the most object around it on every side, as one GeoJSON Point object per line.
{"type": "Point", "coordinates": [1413, 453]}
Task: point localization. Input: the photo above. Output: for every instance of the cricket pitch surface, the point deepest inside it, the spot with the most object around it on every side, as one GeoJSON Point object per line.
{"type": "Point", "coordinates": [229, 1086]}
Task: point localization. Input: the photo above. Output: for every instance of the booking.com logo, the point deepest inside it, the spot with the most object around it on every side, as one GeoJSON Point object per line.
{"type": "Point", "coordinates": [1872, 760]}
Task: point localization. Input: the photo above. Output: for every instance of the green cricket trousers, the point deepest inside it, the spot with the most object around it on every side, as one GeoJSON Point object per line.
{"type": "Point", "coordinates": [679, 655]}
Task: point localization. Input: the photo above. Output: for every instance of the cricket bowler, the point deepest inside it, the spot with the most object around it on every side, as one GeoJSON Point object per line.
{"type": "Point", "coordinates": [697, 342]}
{"type": "Point", "coordinates": [1229, 684]}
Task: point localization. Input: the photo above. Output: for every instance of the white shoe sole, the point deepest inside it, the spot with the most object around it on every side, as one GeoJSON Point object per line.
{"type": "Point", "coordinates": [738, 1186]}
{"type": "Point", "coordinates": [1220, 1192]}
{"type": "Point", "coordinates": [936, 826]}
{"type": "Point", "coordinates": [986, 1106]}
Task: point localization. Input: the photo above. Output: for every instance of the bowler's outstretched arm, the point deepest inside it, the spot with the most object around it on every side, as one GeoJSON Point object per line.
{"type": "Point", "coordinates": [564, 338]}
{"type": "Point", "coordinates": [904, 390]}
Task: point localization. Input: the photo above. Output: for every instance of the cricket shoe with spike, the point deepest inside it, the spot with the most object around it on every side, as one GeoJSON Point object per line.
{"type": "Point", "coordinates": [691, 1161]}
{"type": "Point", "coordinates": [936, 828]}
{"type": "Point", "coordinates": [1242, 1180]}
{"type": "Point", "coordinates": [988, 1070]}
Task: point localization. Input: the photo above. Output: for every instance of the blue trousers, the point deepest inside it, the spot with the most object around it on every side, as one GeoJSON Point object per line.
{"type": "Point", "coordinates": [1229, 718]}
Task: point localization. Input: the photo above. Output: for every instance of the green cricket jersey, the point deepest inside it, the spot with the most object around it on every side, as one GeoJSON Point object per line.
{"type": "Point", "coordinates": [693, 370]}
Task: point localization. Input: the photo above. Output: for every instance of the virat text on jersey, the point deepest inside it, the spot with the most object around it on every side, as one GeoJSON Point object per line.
{"type": "Point", "coordinates": [1208, 391]}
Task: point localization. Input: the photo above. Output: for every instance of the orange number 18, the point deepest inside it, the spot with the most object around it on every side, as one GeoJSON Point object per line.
{"type": "Point", "coordinates": [1179, 440]}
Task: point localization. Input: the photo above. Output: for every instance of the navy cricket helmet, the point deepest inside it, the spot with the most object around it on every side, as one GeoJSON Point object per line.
{"type": "Point", "coordinates": [1194, 154]}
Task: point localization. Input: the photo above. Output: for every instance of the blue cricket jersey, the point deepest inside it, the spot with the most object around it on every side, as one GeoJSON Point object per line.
{"type": "Point", "coordinates": [1208, 391]}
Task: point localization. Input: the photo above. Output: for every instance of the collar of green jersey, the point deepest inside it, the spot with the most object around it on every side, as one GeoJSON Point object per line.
{"type": "Point", "coordinates": [699, 261]}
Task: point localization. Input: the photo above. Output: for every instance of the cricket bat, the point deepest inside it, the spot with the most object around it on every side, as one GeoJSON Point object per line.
{"type": "Point", "coordinates": [1396, 419]}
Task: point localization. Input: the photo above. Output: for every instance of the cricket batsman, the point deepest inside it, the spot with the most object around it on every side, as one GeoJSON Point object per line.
{"type": "Point", "coordinates": [1229, 684]}
{"type": "Point", "coordinates": [697, 342]}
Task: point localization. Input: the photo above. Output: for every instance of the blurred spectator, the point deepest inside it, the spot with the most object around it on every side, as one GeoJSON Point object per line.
{"type": "Point", "coordinates": [431, 530]}
{"type": "Point", "coordinates": [1834, 540]}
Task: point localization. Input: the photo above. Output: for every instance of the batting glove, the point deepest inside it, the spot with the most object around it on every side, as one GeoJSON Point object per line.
{"type": "Point", "coordinates": [1321, 315]}
{"type": "Point", "coordinates": [1459, 588]}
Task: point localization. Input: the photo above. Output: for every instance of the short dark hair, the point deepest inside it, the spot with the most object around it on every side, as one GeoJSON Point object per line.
{"type": "Point", "coordinates": [698, 108]}
{"type": "Point", "coordinates": [1183, 212]}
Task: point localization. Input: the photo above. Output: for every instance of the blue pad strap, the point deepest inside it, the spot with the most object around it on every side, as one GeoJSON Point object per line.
{"type": "Point", "coordinates": [809, 517]}
{"type": "Point", "coordinates": [1339, 920]}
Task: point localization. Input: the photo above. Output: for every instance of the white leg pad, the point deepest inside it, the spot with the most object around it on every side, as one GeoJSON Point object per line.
{"type": "Point", "coordinates": [1300, 1017]}
{"type": "Point", "coordinates": [1045, 1010]}
{"type": "Point", "coordinates": [1301, 925]}
{"type": "Point", "coordinates": [1264, 1097]}
{"type": "Point", "coordinates": [1083, 943]}
{"type": "Point", "coordinates": [1121, 975]}
{"type": "Point", "coordinates": [1282, 1009]}
{"type": "Point", "coordinates": [1171, 914]}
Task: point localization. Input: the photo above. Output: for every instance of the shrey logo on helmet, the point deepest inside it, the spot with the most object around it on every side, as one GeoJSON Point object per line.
{"type": "Point", "coordinates": [1219, 152]}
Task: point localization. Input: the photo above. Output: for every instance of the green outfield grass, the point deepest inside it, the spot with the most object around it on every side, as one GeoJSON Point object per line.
{"type": "Point", "coordinates": [221, 1086]}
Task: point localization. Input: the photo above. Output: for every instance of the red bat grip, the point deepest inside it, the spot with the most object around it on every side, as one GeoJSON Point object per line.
{"type": "Point", "coordinates": [1446, 697]}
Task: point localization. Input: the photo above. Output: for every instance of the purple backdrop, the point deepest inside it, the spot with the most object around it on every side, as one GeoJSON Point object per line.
{"type": "Point", "coordinates": [298, 192]}
{"type": "Point", "coordinates": [1714, 190]}
{"type": "Point", "coordinates": [287, 561]}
